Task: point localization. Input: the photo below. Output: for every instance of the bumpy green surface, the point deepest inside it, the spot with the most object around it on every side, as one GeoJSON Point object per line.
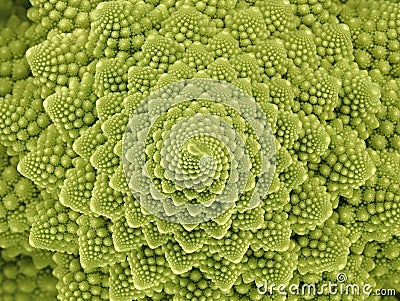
{"type": "Point", "coordinates": [87, 86]}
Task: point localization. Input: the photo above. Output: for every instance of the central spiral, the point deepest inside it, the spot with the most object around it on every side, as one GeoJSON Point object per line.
{"type": "Point", "coordinates": [193, 148]}
{"type": "Point", "coordinates": [200, 163]}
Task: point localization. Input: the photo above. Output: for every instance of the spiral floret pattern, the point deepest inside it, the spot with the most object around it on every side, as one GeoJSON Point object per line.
{"type": "Point", "coordinates": [197, 147]}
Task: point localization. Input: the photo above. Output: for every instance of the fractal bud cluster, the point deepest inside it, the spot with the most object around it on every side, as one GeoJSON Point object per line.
{"type": "Point", "coordinates": [197, 149]}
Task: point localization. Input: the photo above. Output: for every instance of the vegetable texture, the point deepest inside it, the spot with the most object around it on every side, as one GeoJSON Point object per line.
{"type": "Point", "coordinates": [194, 150]}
